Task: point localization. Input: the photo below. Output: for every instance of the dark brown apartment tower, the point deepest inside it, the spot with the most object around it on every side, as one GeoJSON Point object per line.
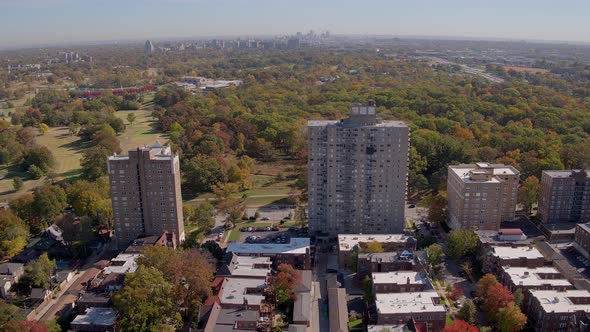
{"type": "Point", "coordinates": [145, 192]}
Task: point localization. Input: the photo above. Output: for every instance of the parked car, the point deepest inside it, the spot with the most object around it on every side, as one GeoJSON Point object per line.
{"type": "Point", "coordinates": [265, 218]}
{"type": "Point", "coordinates": [412, 206]}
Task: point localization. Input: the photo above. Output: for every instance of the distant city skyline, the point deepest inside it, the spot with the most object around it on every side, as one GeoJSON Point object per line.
{"type": "Point", "coordinates": [43, 22]}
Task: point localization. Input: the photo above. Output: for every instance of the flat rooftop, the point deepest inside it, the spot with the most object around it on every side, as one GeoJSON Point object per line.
{"type": "Point", "coordinates": [565, 173]}
{"type": "Point", "coordinates": [515, 253]}
{"type": "Point", "coordinates": [414, 302]}
{"type": "Point", "coordinates": [391, 328]}
{"type": "Point", "coordinates": [296, 246]}
{"type": "Point", "coordinates": [96, 316]}
{"type": "Point", "coordinates": [123, 263]}
{"type": "Point", "coordinates": [464, 172]}
{"type": "Point", "coordinates": [347, 242]}
{"type": "Point", "coordinates": [382, 123]}
{"type": "Point", "coordinates": [562, 302]}
{"type": "Point", "coordinates": [399, 277]}
{"type": "Point", "coordinates": [250, 266]}
{"type": "Point", "coordinates": [523, 276]}
{"type": "Point", "coordinates": [235, 290]}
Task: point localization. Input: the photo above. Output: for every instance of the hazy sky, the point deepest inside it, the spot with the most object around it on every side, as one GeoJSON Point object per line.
{"type": "Point", "coordinates": [25, 22]}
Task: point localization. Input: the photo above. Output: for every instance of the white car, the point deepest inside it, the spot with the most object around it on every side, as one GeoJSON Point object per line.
{"type": "Point", "coordinates": [265, 218]}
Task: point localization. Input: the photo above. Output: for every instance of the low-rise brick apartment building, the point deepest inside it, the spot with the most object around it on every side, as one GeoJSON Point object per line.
{"type": "Point", "coordinates": [496, 257]}
{"type": "Point", "coordinates": [297, 252]}
{"type": "Point", "coordinates": [539, 278]}
{"type": "Point", "coordinates": [400, 282]}
{"type": "Point", "coordinates": [399, 308]}
{"type": "Point", "coordinates": [368, 263]}
{"type": "Point", "coordinates": [356, 243]}
{"type": "Point", "coordinates": [558, 311]}
{"type": "Point", "coordinates": [564, 197]}
{"type": "Point", "coordinates": [481, 195]}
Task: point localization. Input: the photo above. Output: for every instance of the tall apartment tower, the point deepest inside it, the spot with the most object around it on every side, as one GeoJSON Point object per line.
{"type": "Point", "coordinates": [357, 174]}
{"type": "Point", "coordinates": [481, 196]}
{"type": "Point", "coordinates": [565, 196]}
{"type": "Point", "coordinates": [145, 192]}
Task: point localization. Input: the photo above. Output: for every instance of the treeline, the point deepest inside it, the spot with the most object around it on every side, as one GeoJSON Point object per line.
{"type": "Point", "coordinates": [453, 118]}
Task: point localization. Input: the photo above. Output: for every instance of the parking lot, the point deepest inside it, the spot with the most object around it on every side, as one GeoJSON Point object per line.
{"type": "Point", "coordinates": [576, 259]}
{"type": "Point", "coordinates": [281, 236]}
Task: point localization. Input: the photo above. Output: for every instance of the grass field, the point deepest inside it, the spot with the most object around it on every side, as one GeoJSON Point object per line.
{"type": "Point", "coordinates": [141, 132]}
{"type": "Point", "coordinates": [67, 150]}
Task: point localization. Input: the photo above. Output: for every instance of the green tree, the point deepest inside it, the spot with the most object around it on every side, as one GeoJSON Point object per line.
{"type": "Point", "coordinates": [8, 312]}
{"type": "Point", "coordinates": [518, 297]}
{"type": "Point", "coordinates": [510, 318]}
{"type": "Point", "coordinates": [39, 272]}
{"type": "Point", "coordinates": [202, 173]}
{"type": "Point", "coordinates": [14, 234]}
{"type": "Point", "coordinates": [204, 216]}
{"type": "Point", "coordinates": [41, 157]}
{"type": "Point", "coordinates": [35, 172]}
{"type": "Point", "coordinates": [300, 216]}
{"type": "Point", "coordinates": [146, 301]}
{"type": "Point", "coordinates": [467, 312]}
{"type": "Point", "coordinates": [94, 162]}
{"type": "Point", "coordinates": [368, 295]}
{"type": "Point", "coordinates": [131, 118]}
{"type": "Point", "coordinates": [462, 243]}
{"type": "Point", "coordinates": [49, 202]}
{"type": "Point", "coordinates": [528, 193]}
{"type": "Point", "coordinates": [435, 254]}
{"type": "Point", "coordinates": [17, 183]}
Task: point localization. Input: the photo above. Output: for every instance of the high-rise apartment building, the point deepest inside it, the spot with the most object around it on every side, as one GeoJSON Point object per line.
{"type": "Point", "coordinates": [145, 192]}
{"type": "Point", "coordinates": [565, 196]}
{"type": "Point", "coordinates": [357, 174]}
{"type": "Point", "coordinates": [481, 196]}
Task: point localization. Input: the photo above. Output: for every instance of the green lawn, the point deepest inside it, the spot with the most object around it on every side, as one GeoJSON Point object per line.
{"type": "Point", "coordinates": [141, 132]}
{"type": "Point", "coordinates": [67, 150]}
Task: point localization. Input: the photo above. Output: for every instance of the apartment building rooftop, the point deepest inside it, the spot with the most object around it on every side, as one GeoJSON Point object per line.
{"type": "Point", "coordinates": [404, 303]}
{"type": "Point", "coordinates": [123, 263]}
{"type": "Point", "coordinates": [383, 123]}
{"type": "Point", "coordinates": [515, 253]}
{"type": "Point", "coordinates": [523, 276]}
{"type": "Point", "coordinates": [482, 172]}
{"type": "Point", "coordinates": [565, 173]}
{"type": "Point", "coordinates": [585, 227]}
{"type": "Point", "coordinates": [159, 152]}
{"type": "Point", "coordinates": [347, 242]}
{"type": "Point", "coordinates": [563, 302]}
{"type": "Point", "coordinates": [399, 277]}
{"type": "Point", "coordinates": [295, 246]}
{"type": "Point", "coordinates": [240, 290]}
{"type": "Point", "coordinates": [96, 316]}
{"type": "Point", "coordinates": [390, 328]}
{"type": "Point", "coordinates": [247, 266]}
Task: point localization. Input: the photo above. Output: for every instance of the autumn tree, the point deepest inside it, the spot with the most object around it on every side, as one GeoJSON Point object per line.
{"type": "Point", "coordinates": [146, 302]}
{"type": "Point", "coordinates": [455, 293]}
{"type": "Point", "coordinates": [284, 283]}
{"type": "Point", "coordinates": [437, 207]}
{"type": "Point", "coordinates": [497, 297]}
{"type": "Point", "coordinates": [460, 326]}
{"type": "Point", "coordinates": [48, 202]}
{"type": "Point", "coordinates": [462, 243]}
{"type": "Point", "coordinates": [510, 318]}
{"type": "Point", "coordinates": [528, 193]}
{"type": "Point", "coordinates": [373, 247]}
{"type": "Point", "coordinates": [300, 215]}
{"type": "Point", "coordinates": [189, 272]}
{"type": "Point", "coordinates": [484, 284]}
{"type": "Point", "coordinates": [14, 234]}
